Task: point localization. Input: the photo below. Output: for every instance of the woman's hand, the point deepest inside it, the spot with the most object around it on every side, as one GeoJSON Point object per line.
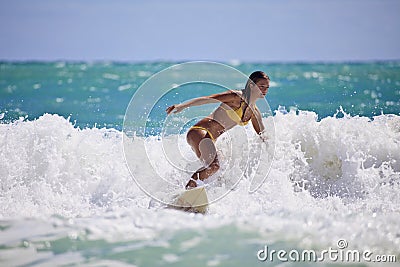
{"type": "Point", "coordinates": [263, 136]}
{"type": "Point", "coordinates": [174, 108]}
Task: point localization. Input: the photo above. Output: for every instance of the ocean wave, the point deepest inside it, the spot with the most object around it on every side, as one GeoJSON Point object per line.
{"type": "Point", "coordinates": [51, 167]}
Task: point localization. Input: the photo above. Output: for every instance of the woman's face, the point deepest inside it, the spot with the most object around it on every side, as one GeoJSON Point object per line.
{"type": "Point", "coordinates": [261, 88]}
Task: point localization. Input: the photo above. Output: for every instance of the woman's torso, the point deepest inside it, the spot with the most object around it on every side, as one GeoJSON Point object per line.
{"type": "Point", "coordinates": [227, 115]}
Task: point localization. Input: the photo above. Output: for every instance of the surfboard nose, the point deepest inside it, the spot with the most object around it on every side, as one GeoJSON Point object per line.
{"type": "Point", "coordinates": [193, 200]}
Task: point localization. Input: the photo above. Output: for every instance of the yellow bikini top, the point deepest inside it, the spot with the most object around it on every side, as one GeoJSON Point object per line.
{"type": "Point", "coordinates": [237, 114]}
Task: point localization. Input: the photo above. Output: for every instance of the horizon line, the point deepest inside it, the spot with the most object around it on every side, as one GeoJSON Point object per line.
{"type": "Point", "coordinates": [233, 62]}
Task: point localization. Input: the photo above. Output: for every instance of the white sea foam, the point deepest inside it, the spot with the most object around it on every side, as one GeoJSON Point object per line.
{"type": "Point", "coordinates": [338, 177]}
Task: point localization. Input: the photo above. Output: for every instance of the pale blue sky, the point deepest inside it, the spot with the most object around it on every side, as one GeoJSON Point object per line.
{"type": "Point", "coordinates": [265, 31]}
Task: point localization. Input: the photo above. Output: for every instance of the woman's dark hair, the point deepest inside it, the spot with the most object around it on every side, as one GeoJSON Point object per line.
{"type": "Point", "coordinates": [253, 78]}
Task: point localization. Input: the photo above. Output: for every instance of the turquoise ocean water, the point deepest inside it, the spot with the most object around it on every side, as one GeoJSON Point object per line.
{"type": "Point", "coordinates": [68, 198]}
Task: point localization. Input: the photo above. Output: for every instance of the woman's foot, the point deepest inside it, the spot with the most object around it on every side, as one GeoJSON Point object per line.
{"type": "Point", "coordinates": [193, 180]}
{"type": "Point", "coordinates": [191, 184]}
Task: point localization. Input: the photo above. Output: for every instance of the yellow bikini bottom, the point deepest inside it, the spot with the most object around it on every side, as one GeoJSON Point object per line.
{"type": "Point", "coordinates": [205, 129]}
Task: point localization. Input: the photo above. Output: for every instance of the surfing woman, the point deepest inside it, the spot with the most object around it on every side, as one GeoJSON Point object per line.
{"type": "Point", "coordinates": [236, 108]}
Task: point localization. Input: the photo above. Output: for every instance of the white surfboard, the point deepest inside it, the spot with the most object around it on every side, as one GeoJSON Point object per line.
{"type": "Point", "coordinates": [193, 200]}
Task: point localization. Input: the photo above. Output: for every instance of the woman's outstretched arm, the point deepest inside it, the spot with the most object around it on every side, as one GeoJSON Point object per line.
{"type": "Point", "coordinates": [222, 97]}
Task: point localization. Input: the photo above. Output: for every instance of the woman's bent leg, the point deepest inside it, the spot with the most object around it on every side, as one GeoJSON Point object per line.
{"type": "Point", "coordinates": [206, 151]}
